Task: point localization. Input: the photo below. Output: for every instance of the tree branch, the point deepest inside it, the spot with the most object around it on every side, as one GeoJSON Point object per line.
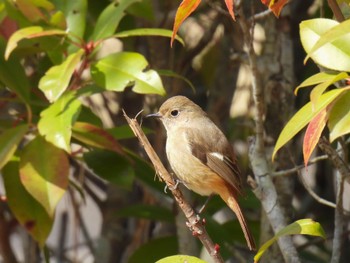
{"type": "Point", "coordinates": [257, 154]}
{"type": "Point", "coordinates": [196, 225]}
{"type": "Point", "coordinates": [336, 10]}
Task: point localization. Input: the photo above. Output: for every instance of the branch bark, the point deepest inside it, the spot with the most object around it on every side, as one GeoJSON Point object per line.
{"type": "Point", "coordinates": [195, 224]}
{"type": "Point", "coordinates": [266, 190]}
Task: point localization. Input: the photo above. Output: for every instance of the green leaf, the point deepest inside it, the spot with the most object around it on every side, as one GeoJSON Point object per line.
{"type": "Point", "coordinates": [148, 32]}
{"type": "Point", "coordinates": [30, 10]}
{"type": "Point", "coordinates": [119, 70]}
{"type": "Point", "coordinates": [143, 9]}
{"type": "Point", "coordinates": [56, 121]}
{"type": "Point", "coordinates": [29, 213]}
{"type": "Point", "coordinates": [9, 141]}
{"type": "Point", "coordinates": [147, 212]}
{"type": "Point", "coordinates": [28, 33]}
{"type": "Point", "coordinates": [57, 78]}
{"type": "Point", "coordinates": [339, 118]}
{"type": "Point", "coordinates": [336, 32]}
{"type": "Point", "coordinates": [75, 13]}
{"type": "Point", "coordinates": [111, 167]}
{"type": "Point", "coordinates": [304, 116]}
{"type": "Point", "coordinates": [58, 20]}
{"type": "Point", "coordinates": [109, 19]}
{"type": "Point", "coordinates": [302, 226]}
{"type": "Point", "coordinates": [320, 77]}
{"type": "Point", "coordinates": [181, 259]}
{"type": "Point", "coordinates": [96, 137]}
{"type": "Point", "coordinates": [155, 249]}
{"type": "Point", "coordinates": [13, 75]}
{"type": "Point", "coordinates": [334, 55]}
{"type": "Point", "coordinates": [44, 171]}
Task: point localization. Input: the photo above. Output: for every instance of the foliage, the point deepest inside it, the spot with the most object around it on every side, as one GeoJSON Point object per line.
{"type": "Point", "coordinates": [325, 41]}
{"type": "Point", "coordinates": [35, 152]}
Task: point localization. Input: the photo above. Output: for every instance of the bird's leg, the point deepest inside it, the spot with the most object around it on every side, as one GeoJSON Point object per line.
{"type": "Point", "coordinates": [177, 182]}
{"type": "Point", "coordinates": [205, 204]}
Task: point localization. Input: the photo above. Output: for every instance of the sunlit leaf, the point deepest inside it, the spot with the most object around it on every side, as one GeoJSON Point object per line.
{"type": "Point", "coordinates": [181, 259]}
{"type": "Point", "coordinates": [111, 167]}
{"type": "Point", "coordinates": [28, 33]}
{"type": "Point", "coordinates": [334, 55]}
{"type": "Point", "coordinates": [13, 75]}
{"type": "Point", "coordinates": [96, 137]}
{"type": "Point", "coordinates": [302, 226]}
{"type": "Point", "coordinates": [229, 5]}
{"type": "Point", "coordinates": [304, 116]}
{"type": "Point", "coordinates": [29, 213]}
{"type": "Point", "coordinates": [44, 171]}
{"type": "Point", "coordinates": [57, 78]}
{"type": "Point", "coordinates": [331, 35]}
{"type": "Point", "coordinates": [318, 78]}
{"type": "Point", "coordinates": [313, 133]}
{"type": "Point", "coordinates": [57, 120]}
{"type": "Point", "coordinates": [154, 250]}
{"type": "Point", "coordinates": [317, 91]}
{"type": "Point", "coordinates": [58, 20]}
{"type": "Point", "coordinates": [148, 32]}
{"type": "Point", "coordinates": [109, 19]}
{"type": "Point", "coordinates": [123, 69]}
{"type": "Point", "coordinates": [339, 118]}
{"type": "Point", "coordinates": [185, 9]}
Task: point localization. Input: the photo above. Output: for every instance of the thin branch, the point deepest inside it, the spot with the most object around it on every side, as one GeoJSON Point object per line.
{"type": "Point", "coordinates": [336, 10]}
{"type": "Point", "coordinates": [196, 225]}
{"type": "Point", "coordinates": [299, 167]}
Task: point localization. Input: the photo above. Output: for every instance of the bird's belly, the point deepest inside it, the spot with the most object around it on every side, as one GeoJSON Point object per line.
{"type": "Point", "coordinates": [192, 172]}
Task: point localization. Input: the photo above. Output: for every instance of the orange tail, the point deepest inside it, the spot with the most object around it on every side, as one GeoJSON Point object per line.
{"type": "Point", "coordinates": [231, 201]}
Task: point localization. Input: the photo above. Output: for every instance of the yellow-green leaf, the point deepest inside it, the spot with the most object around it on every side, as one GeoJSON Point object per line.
{"type": "Point", "coordinates": [57, 78]}
{"type": "Point", "coordinates": [302, 226]}
{"type": "Point", "coordinates": [304, 116]}
{"type": "Point", "coordinates": [124, 69]}
{"type": "Point", "coordinates": [148, 32]}
{"type": "Point", "coordinates": [57, 120]}
{"type": "Point", "coordinates": [339, 118]}
{"type": "Point", "coordinates": [28, 33]}
{"type": "Point", "coordinates": [181, 259]}
{"type": "Point", "coordinates": [44, 171]}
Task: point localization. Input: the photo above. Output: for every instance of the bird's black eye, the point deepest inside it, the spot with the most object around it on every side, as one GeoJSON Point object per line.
{"type": "Point", "coordinates": [174, 113]}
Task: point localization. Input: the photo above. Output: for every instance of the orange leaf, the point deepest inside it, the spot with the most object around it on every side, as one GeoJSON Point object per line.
{"type": "Point", "coordinates": [313, 133]}
{"type": "Point", "coordinates": [229, 5]}
{"type": "Point", "coordinates": [185, 9]}
{"type": "Point", "coordinates": [275, 5]}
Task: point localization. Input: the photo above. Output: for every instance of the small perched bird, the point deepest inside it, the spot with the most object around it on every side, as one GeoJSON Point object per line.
{"type": "Point", "coordinates": [201, 156]}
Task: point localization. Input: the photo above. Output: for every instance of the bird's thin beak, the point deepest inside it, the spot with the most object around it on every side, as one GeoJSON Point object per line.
{"type": "Point", "coordinates": [157, 115]}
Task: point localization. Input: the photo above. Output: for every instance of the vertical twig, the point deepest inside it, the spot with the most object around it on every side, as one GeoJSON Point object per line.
{"type": "Point", "coordinates": [336, 10]}
{"type": "Point", "coordinates": [266, 189]}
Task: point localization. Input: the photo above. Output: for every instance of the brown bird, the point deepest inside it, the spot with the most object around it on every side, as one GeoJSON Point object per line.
{"type": "Point", "coordinates": [201, 156]}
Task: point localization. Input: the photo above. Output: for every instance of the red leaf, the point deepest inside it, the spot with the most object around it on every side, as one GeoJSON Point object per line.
{"type": "Point", "coordinates": [275, 5]}
{"type": "Point", "coordinates": [313, 133]}
{"type": "Point", "coordinates": [185, 9]}
{"type": "Point", "coordinates": [229, 5]}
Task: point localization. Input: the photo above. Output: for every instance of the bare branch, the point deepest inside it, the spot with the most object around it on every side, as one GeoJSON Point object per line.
{"type": "Point", "coordinates": [196, 225]}
{"type": "Point", "coordinates": [336, 10]}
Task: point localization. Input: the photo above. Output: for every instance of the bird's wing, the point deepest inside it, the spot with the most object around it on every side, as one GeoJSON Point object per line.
{"type": "Point", "coordinates": [215, 159]}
